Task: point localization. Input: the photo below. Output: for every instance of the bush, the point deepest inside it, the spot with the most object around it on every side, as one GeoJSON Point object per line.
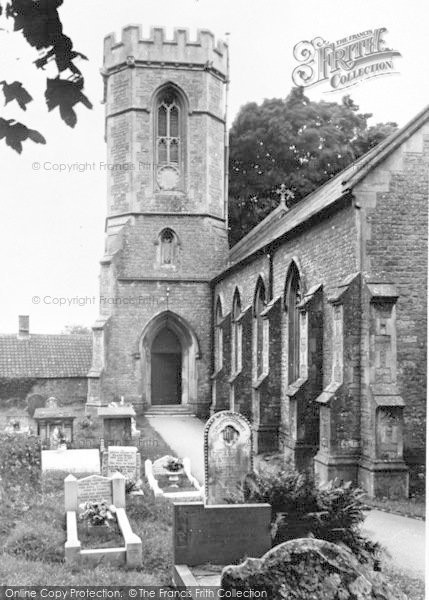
{"type": "Point", "coordinates": [20, 459]}
{"type": "Point", "coordinates": [301, 508]}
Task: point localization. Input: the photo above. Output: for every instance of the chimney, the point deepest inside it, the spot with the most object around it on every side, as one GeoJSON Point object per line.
{"type": "Point", "coordinates": [24, 326]}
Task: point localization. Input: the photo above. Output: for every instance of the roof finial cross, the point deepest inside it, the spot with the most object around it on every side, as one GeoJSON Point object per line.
{"type": "Point", "coordinates": [285, 195]}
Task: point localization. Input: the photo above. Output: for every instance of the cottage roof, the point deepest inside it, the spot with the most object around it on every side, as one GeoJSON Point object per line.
{"type": "Point", "coordinates": [45, 356]}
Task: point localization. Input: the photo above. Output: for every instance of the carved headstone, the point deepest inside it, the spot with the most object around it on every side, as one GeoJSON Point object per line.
{"type": "Point", "coordinates": [94, 488]}
{"type": "Point", "coordinates": [124, 460]}
{"type": "Point", "coordinates": [228, 455]}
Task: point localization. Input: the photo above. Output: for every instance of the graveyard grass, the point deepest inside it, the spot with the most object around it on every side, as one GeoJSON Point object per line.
{"type": "Point", "coordinates": [32, 528]}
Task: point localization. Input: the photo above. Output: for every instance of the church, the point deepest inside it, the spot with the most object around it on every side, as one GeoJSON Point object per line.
{"type": "Point", "coordinates": [313, 325]}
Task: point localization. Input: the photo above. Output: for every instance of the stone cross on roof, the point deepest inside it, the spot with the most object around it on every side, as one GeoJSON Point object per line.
{"type": "Point", "coordinates": [285, 195]}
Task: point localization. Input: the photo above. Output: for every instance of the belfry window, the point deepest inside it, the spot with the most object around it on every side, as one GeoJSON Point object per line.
{"type": "Point", "coordinates": [292, 300]}
{"type": "Point", "coordinates": [169, 138]}
{"type": "Point", "coordinates": [236, 337]}
{"type": "Point", "coordinates": [168, 243]}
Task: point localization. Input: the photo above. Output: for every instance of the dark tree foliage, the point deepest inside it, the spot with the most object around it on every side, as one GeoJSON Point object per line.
{"type": "Point", "coordinates": [294, 141]}
{"type": "Point", "coordinates": [39, 22]}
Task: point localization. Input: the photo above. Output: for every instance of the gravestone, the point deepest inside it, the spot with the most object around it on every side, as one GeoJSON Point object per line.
{"type": "Point", "coordinates": [117, 421]}
{"type": "Point", "coordinates": [71, 461]}
{"type": "Point", "coordinates": [216, 531]}
{"type": "Point", "coordinates": [125, 460]}
{"type": "Point", "coordinates": [94, 488]}
{"type": "Point", "coordinates": [219, 534]}
{"type": "Point", "coordinates": [228, 455]}
{"type": "Point", "coordinates": [306, 568]}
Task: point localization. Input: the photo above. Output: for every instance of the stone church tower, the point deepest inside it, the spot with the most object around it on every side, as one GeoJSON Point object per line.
{"type": "Point", "coordinates": [166, 231]}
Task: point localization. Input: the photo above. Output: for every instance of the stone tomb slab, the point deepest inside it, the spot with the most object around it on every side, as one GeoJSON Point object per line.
{"type": "Point", "coordinates": [228, 455]}
{"type": "Point", "coordinates": [124, 460]}
{"type": "Point", "coordinates": [71, 461]}
{"type": "Point", "coordinates": [219, 534]}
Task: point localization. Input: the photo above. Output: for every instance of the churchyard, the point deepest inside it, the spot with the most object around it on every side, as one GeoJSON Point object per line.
{"type": "Point", "coordinates": [49, 532]}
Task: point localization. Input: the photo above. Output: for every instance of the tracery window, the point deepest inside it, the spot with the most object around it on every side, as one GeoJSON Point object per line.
{"type": "Point", "coordinates": [169, 138]}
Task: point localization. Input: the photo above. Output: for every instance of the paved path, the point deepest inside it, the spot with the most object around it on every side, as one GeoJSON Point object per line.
{"type": "Point", "coordinates": [404, 538]}
{"type": "Point", "coordinates": [184, 435]}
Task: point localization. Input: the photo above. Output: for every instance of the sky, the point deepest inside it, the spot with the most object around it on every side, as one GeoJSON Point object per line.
{"type": "Point", "coordinates": [52, 223]}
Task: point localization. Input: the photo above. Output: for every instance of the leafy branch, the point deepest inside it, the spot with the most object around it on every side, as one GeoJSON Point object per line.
{"type": "Point", "coordinates": [39, 23]}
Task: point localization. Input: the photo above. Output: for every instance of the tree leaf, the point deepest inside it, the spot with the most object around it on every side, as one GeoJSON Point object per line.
{"type": "Point", "coordinates": [16, 91]}
{"type": "Point", "coordinates": [15, 133]}
{"type": "Point", "coordinates": [65, 94]}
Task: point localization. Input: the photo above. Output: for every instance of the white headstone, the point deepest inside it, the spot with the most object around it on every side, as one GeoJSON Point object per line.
{"type": "Point", "coordinates": [72, 461]}
{"type": "Point", "coordinates": [94, 488]}
{"type": "Point", "coordinates": [122, 459]}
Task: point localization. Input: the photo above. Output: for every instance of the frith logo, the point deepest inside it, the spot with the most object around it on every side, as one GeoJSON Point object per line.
{"type": "Point", "coordinates": [343, 63]}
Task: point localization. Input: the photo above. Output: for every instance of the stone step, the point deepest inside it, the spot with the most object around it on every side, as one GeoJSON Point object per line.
{"type": "Point", "coordinates": [168, 410]}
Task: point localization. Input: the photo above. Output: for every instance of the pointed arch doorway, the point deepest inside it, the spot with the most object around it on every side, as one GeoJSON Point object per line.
{"type": "Point", "coordinates": [166, 371]}
{"type": "Point", "coordinates": [169, 349]}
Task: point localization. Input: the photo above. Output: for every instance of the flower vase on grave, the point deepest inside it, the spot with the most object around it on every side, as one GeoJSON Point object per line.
{"type": "Point", "coordinates": [174, 480]}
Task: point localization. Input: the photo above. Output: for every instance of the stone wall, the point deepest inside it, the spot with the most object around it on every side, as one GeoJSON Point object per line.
{"type": "Point", "coordinates": [325, 251]}
{"type": "Point", "coordinates": [67, 390]}
{"type": "Point", "coordinates": [394, 202]}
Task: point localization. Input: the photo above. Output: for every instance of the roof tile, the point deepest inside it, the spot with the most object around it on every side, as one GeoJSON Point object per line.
{"type": "Point", "coordinates": [45, 356]}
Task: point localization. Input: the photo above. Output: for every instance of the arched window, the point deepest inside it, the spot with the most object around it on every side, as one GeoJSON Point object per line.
{"type": "Point", "coordinates": [168, 246]}
{"type": "Point", "coordinates": [169, 138]}
{"type": "Point", "coordinates": [218, 336]}
{"type": "Point", "coordinates": [292, 300]}
{"type": "Point", "coordinates": [236, 337]}
{"type": "Point", "coordinates": [261, 357]}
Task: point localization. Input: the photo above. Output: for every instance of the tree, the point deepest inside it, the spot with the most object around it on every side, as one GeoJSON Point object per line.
{"type": "Point", "coordinates": [39, 23]}
{"type": "Point", "coordinates": [297, 142]}
{"type": "Point", "coordinates": [77, 329]}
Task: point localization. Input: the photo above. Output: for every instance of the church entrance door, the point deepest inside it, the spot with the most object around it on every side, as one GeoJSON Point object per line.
{"type": "Point", "coordinates": [166, 371]}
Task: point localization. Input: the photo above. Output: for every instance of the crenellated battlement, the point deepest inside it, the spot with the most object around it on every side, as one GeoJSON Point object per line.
{"type": "Point", "coordinates": [204, 51]}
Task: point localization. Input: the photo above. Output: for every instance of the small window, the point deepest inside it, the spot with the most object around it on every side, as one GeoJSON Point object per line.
{"type": "Point", "coordinates": [236, 338]}
{"type": "Point", "coordinates": [168, 242]}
